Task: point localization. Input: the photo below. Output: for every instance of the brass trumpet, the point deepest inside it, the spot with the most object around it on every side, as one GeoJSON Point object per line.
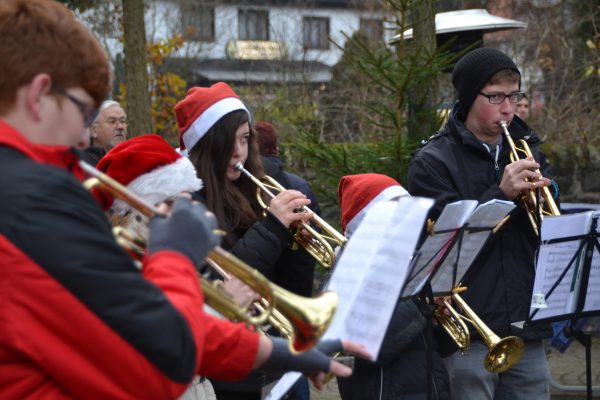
{"type": "Point", "coordinates": [307, 318]}
{"type": "Point", "coordinates": [502, 353]}
{"type": "Point", "coordinates": [318, 245]}
{"type": "Point", "coordinates": [529, 200]}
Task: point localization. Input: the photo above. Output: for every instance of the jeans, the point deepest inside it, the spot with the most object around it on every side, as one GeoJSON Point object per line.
{"type": "Point", "coordinates": [528, 379]}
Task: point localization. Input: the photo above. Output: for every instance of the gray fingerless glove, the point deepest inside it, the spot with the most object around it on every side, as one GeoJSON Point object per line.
{"type": "Point", "coordinates": [311, 361]}
{"type": "Point", "coordinates": [187, 230]}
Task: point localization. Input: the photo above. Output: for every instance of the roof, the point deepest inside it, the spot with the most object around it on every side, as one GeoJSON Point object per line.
{"type": "Point", "coordinates": [467, 20]}
{"type": "Point", "coordinates": [251, 70]}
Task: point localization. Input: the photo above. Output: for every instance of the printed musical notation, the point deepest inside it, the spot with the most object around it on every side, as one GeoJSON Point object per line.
{"type": "Point", "coordinates": [558, 272]}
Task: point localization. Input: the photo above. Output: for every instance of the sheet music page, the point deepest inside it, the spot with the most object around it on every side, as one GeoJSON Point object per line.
{"type": "Point", "coordinates": [285, 383]}
{"type": "Point", "coordinates": [485, 216]}
{"type": "Point", "coordinates": [373, 268]}
{"type": "Point", "coordinates": [592, 300]}
{"type": "Point", "coordinates": [455, 215]}
{"type": "Point", "coordinates": [369, 275]}
{"type": "Point", "coordinates": [553, 259]}
{"type": "Point", "coordinates": [433, 249]}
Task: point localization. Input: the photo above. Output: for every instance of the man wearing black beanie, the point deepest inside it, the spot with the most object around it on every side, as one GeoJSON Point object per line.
{"type": "Point", "coordinates": [469, 159]}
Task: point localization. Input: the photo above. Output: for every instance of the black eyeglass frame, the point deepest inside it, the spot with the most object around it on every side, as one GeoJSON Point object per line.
{"type": "Point", "coordinates": [89, 114]}
{"type": "Point", "coordinates": [514, 97]}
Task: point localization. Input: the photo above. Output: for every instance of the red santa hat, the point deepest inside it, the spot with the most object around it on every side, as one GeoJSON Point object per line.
{"type": "Point", "coordinates": [201, 109]}
{"type": "Point", "coordinates": [150, 168]}
{"type": "Point", "coordinates": [358, 193]}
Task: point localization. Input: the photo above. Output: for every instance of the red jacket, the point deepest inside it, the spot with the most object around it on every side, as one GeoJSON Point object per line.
{"type": "Point", "coordinates": [77, 319]}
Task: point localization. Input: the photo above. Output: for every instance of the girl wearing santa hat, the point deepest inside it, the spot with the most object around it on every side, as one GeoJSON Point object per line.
{"type": "Point", "coordinates": [150, 168]}
{"type": "Point", "coordinates": [401, 371]}
{"type": "Point", "coordinates": [215, 130]}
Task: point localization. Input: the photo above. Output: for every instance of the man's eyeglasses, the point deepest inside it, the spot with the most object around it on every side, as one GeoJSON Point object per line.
{"type": "Point", "coordinates": [114, 121]}
{"type": "Point", "coordinates": [89, 113]}
{"type": "Point", "coordinates": [498, 98]}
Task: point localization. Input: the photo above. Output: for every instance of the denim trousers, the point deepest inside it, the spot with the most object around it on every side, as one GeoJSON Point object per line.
{"type": "Point", "coordinates": [528, 379]}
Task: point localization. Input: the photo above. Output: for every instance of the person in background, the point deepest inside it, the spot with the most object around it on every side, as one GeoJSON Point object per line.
{"type": "Point", "coordinates": [400, 371]}
{"type": "Point", "coordinates": [268, 146]}
{"type": "Point", "coordinates": [469, 159]}
{"type": "Point", "coordinates": [215, 129]}
{"type": "Point", "coordinates": [523, 108]}
{"type": "Point", "coordinates": [109, 129]}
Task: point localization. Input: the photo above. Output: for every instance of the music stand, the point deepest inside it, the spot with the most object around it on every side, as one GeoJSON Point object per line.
{"type": "Point", "coordinates": [567, 277]}
{"type": "Point", "coordinates": [444, 258]}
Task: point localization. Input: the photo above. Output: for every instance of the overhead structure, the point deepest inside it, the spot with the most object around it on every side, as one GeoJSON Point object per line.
{"type": "Point", "coordinates": [465, 27]}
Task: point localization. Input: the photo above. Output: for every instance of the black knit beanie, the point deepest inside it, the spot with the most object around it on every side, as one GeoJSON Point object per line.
{"type": "Point", "coordinates": [474, 70]}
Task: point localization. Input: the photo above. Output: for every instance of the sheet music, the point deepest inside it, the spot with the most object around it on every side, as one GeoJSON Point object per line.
{"type": "Point", "coordinates": [433, 249]}
{"type": "Point", "coordinates": [283, 386]}
{"type": "Point", "coordinates": [553, 260]}
{"type": "Point", "coordinates": [373, 268]}
{"type": "Point", "coordinates": [369, 275]}
{"type": "Point", "coordinates": [486, 216]}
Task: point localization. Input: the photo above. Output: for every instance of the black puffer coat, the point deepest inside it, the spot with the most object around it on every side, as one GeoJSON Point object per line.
{"type": "Point", "coordinates": [453, 165]}
{"type": "Point", "coordinates": [266, 246]}
{"type": "Point", "coordinates": [400, 371]}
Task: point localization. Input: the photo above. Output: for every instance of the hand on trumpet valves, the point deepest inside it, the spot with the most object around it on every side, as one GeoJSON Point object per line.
{"type": "Point", "coordinates": [284, 205]}
{"type": "Point", "coordinates": [522, 176]}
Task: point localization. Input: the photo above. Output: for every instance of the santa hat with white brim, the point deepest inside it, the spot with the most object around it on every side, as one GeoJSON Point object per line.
{"type": "Point", "coordinates": [358, 193]}
{"type": "Point", "coordinates": [150, 168]}
{"type": "Point", "coordinates": [201, 109]}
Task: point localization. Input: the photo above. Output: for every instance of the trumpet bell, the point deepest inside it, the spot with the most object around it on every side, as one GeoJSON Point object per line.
{"type": "Point", "coordinates": [504, 354]}
{"type": "Point", "coordinates": [309, 317]}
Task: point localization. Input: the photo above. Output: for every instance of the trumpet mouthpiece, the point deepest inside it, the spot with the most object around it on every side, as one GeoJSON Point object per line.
{"type": "Point", "coordinates": [239, 166]}
{"type": "Point", "coordinates": [503, 124]}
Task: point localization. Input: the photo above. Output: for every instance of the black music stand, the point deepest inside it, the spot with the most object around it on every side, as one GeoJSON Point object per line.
{"type": "Point", "coordinates": [444, 258]}
{"type": "Point", "coordinates": [579, 269]}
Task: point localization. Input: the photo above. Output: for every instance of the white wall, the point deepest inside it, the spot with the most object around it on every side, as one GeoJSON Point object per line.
{"type": "Point", "coordinates": [285, 25]}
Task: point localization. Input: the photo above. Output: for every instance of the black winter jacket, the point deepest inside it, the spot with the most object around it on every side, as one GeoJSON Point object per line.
{"type": "Point", "coordinates": [266, 246]}
{"type": "Point", "coordinates": [454, 165]}
{"type": "Point", "coordinates": [400, 371]}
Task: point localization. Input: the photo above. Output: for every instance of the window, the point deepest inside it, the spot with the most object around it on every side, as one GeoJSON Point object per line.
{"type": "Point", "coordinates": [253, 25]}
{"type": "Point", "coordinates": [198, 22]}
{"type": "Point", "coordinates": [316, 33]}
{"type": "Point", "coordinates": [372, 29]}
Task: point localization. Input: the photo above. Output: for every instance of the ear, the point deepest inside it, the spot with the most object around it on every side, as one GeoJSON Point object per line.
{"type": "Point", "coordinates": [39, 87]}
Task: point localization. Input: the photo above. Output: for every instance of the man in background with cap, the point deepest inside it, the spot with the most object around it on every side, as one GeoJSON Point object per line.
{"type": "Point", "coordinates": [469, 159]}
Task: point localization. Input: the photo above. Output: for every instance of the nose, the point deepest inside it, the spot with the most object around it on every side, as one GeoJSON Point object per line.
{"type": "Point", "coordinates": [237, 149]}
{"type": "Point", "coordinates": [506, 107]}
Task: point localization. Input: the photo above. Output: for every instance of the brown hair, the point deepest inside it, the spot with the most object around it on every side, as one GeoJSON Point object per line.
{"type": "Point", "coordinates": [233, 203]}
{"type": "Point", "coordinates": [504, 76]}
{"type": "Point", "coordinates": [43, 36]}
{"type": "Point", "coordinates": [267, 138]}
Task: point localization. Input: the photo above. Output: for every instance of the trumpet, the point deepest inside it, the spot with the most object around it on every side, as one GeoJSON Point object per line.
{"type": "Point", "coordinates": [306, 318]}
{"type": "Point", "coordinates": [318, 245]}
{"type": "Point", "coordinates": [502, 353]}
{"type": "Point", "coordinates": [535, 212]}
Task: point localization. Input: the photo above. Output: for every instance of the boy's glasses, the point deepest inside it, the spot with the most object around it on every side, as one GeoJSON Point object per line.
{"type": "Point", "coordinates": [498, 98]}
{"type": "Point", "coordinates": [89, 113]}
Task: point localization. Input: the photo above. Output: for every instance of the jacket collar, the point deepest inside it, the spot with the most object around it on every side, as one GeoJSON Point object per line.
{"type": "Point", "coordinates": [59, 156]}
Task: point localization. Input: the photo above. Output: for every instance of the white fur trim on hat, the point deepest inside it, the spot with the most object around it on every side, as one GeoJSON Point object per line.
{"type": "Point", "coordinates": [388, 193]}
{"type": "Point", "coordinates": [210, 117]}
{"type": "Point", "coordinates": [162, 183]}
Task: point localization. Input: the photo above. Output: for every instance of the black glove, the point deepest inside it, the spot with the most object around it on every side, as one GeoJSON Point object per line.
{"type": "Point", "coordinates": [188, 230]}
{"type": "Point", "coordinates": [311, 361]}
